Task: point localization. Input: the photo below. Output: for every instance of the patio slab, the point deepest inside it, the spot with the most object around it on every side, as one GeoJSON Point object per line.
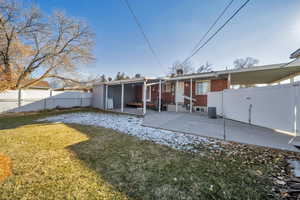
{"type": "Point", "coordinates": [197, 124]}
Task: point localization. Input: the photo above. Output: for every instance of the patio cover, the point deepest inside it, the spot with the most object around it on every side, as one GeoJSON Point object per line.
{"type": "Point", "coordinates": [265, 74]}
{"type": "Point", "coordinates": [254, 75]}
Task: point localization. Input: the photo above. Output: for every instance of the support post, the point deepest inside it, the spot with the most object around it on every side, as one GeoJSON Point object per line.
{"type": "Point", "coordinates": [176, 88]}
{"type": "Point", "coordinates": [159, 97]}
{"type": "Point", "coordinates": [296, 110]}
{"type": "Point", "coordinates": [81, 100]}
{"type": "Point", "coordinates": [229, 81]}
{"type": "Point", "coordinates": [191, 95]}
{"type": "Point", "coordinates": [144, 98]}
{"type": "Point", "coordinates": [106, 97]}
{"type": "Point", "coordinates": [292, 80]}
{"type": "Point", "coordinates": [122, 98]}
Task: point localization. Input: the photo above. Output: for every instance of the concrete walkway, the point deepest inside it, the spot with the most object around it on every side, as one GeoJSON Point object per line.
{"type": "Point", "coordinates": [194, 123]}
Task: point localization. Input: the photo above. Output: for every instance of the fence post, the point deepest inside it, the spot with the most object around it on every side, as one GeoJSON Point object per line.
{"type": "Point", "coordinates": [45, 104]}
{"type": "Point", "coordinates": [223, 115]}
{"type": "Point", "coordinates": [19, 99]}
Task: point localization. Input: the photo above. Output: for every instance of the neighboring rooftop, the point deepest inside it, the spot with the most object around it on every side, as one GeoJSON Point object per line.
{"type": "Point", "coordinates": [38, 85]}
{"type": "Point", "coordinates": [296, 54]}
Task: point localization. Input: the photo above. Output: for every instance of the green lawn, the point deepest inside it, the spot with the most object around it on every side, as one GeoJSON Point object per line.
{"type": "Point", "coordinates": [62, 161]}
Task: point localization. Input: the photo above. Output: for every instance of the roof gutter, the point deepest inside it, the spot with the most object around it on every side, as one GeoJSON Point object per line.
{"type": "Point", "coordinates": [212, 74]}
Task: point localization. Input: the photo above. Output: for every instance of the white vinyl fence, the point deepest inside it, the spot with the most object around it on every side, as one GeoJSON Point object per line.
{"type": "Point", "coordinates": [34, 100]}
{"type": "Point", "coordinates": [276, 107]}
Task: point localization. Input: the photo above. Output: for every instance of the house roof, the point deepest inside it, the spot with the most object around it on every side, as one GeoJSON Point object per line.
{"type": "Point", "coordinates": [127, 81]}
{"type": "Point", "coordinates": [296, 54]}
{"type": "Point", "coordinates": [264, 74]}
{"type": "Point", "coordinates": [73, 89]}
{"type": "Point", "coordinates": [38, 85]}
{"type": "Point", "coordinates": [253, 75]}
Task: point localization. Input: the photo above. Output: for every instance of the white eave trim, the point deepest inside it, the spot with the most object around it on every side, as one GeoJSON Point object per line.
{"type": "Point", "coordinates": [213, 74]}
{"type": "Point", "coordinates": [232, 71]}
{"type": "Point", "coordinates": [193, 76]}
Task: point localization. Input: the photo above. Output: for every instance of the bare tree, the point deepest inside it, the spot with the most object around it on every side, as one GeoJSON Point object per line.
{"type": "Point", "coordinates": [185, 67]}
{"type": "Point", "coordinates": [121, 76]}
{"type": "Point", "coordinates": [207, 67]}
{"type": "Point", "coordinates": [137, 76]}
{"type": "Point", "coordinates": [245, 62]}
{"type": "Point", "coordinates": [31, 42]}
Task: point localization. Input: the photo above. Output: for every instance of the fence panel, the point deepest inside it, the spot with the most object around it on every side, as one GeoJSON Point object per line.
{"type": "Point", "coordinates": [34, 100]}
{"type": "Point", "coordinates": [9, 101]}
{"type": "Point", "coordinates": [275, 107]}
{"type": "Point", "coordinates": [214, 99]}
{"type": "Point", "coordinates": [236, 104]}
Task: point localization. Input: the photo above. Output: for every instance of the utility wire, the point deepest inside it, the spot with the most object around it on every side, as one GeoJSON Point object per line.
{"type": "Point", "coordinates": [215, 33]}
{"type": "Point", "coordinates": [213, 25]}
{"type": "Point", "coordinates": [142, 31]}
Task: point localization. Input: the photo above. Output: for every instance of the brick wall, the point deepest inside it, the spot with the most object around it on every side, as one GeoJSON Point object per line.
{"type": "Point", "coordinates": [168, 97]}
{"type": "Point", "coordinates": [201, 100]}
{"type": "Point", "coordinates": [218, 85]}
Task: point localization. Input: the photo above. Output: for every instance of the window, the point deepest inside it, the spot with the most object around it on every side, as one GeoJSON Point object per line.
{"type": "Point", "coordinates": [167, 87]}
{"type": "Point", "coordinates": [202, 87]}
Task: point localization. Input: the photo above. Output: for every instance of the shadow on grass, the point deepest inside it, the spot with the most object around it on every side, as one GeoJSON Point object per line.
{"type": "Point", "coordinates": [14, 120]}
{"type": "Point", "coordinates": [140, 169]}
{"type": "Point", "coordinates": [144, 170]}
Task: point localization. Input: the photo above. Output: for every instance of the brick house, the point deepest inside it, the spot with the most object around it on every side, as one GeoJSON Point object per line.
{"type": "Point", "coordinates": [185, 93]}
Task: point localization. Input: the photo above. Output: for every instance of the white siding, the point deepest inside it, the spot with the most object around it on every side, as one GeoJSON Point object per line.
{"type": "Point", "coordinates": [98, 100]}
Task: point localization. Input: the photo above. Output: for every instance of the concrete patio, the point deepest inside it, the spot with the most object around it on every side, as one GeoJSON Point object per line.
{"type": "Point", "coordinates": [197, 124]}
{"type": "Point", "coordinates": [130, 111]}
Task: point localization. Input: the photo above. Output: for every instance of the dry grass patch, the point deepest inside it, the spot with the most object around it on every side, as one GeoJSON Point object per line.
{"type": "Point", "coordinates": [5, 167]}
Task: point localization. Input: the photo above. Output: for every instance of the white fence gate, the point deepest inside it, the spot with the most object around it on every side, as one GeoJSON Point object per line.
{"type": "Point", "coordinates": [34, 100]}
{"type": "Point", "coordinates": [276, 107]}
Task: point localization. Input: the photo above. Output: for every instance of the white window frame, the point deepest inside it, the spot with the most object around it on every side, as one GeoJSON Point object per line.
{"type": "Point", "coordinates": [168, 87]}
{"type": "Point", "coordinates": [149, 93]}
{"type": "Point", "coordinates": [202, 81]}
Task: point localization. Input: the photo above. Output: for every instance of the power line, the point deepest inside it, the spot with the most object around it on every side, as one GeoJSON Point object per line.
{"type": "Point", "coordinates": [213, 25]}
{"type": "Point", "coordinates": [219, 29]}
{"type": "Point", "coordinates": [142, 31]}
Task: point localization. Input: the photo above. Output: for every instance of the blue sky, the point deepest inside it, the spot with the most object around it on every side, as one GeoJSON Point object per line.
{"type": "Point", "coordinates": [268, 30]}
